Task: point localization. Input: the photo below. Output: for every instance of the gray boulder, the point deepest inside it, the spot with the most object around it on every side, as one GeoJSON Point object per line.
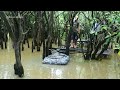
{"type": "Point", "coordinates": [56, 58]}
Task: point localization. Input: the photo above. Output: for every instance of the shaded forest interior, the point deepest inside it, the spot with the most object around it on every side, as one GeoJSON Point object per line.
{"type": "Point", "coordinates": [99, 33]}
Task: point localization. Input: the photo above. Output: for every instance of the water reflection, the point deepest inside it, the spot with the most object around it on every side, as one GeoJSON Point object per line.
{"type": "Point", "coordinates": [56, 73]}
{"type": "Point", "coordinates": [77, 68]}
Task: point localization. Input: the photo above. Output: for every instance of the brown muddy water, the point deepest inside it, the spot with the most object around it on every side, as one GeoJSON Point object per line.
{"type": "Point", "coordinates": [77, 68]}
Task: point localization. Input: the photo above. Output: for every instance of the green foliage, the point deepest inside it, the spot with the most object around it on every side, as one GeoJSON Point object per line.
{"type": "Point", "coordinates": [104, 27]}
{"type": "Point", "coordinates": [86, 20]}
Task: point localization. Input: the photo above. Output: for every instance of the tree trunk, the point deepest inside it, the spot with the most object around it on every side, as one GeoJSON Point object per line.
{"type": "Point", "coordinates": [105, 48]}
{"type": "Point", "coordinates": [2, 44]}
{"type": "Point", "coordinates": [46, 49]}
{"type": "Point", "coordinates": [91, 43]}
{"type": "Point", "coordinates": [87, 55]}
{"type": "Point", "coordinates": [6, 39]}
{"type": "Point", "coordinates": [97, 48]}
{"type": "Point", "coordinates": [18, 65]}
{"type": "Point", "coordinates": [38, 47]}
{"type": "Point", "coordinates": [59, 40]}
{"type": "Point", "coordinates": [68, 38]}
{"type": "Point", "coordinates": [28, 43]}
{"type": "Point", "coordinates": [17, 53]}
{"type": "Point", "coordinates": [43, 40]}
{"type": "Point", "coordinates": [22, 47]}
{"type": "Point", "coordinates": [5, 45]}
{"type": "Point", "coordinates": [32, 46]}
{"type": "Point", "coordinates": [68, 44]}
{"type": "Point", "coordinates": [118, 40]}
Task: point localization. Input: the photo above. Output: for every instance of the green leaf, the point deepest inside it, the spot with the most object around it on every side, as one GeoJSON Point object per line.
{"type": "Point", "coordinates": [104, 27]}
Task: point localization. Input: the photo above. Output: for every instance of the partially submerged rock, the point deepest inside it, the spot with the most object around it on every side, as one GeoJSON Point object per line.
{"type": "Point", "coordinates": [56, 58]}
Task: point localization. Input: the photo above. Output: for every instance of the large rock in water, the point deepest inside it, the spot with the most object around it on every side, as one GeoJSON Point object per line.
{"type": "Point", "coordinates": [56, 58]}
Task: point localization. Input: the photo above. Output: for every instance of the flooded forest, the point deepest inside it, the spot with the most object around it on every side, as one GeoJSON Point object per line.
{"type": "Point", "coordinates": [59, 44]}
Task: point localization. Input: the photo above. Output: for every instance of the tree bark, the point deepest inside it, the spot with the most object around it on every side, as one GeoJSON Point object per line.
{"type": "Point", "coordinates": [97, 48]}
{"type": "Point", "coordinates": [104, 48]}
{"type": "Point", "coordinates": [17, 53]}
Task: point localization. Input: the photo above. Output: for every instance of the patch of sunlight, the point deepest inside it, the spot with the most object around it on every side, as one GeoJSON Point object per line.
{"type": "Point", "coordinates": [5, 75]}
{"type": "Point", "coordinates": [119, 53]}
{"type": "Point", "coordinates": [56, 73]}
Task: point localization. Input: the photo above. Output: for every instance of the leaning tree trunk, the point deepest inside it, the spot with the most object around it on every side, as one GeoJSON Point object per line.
{"type": "Point", "coordinates": [90, 46]}
{"type": "Point", "coordinates": [104, 48]}
{"type": "Point", "coordinates": [16, 36]}
{"type": "Point", "coordinates": [101, 43]}
{"type": "Point", "coordinates": [97, 48]}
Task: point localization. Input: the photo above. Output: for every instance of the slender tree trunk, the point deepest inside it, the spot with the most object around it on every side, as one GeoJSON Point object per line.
{"type": "Point", "coordinates": [17, 53]}
{"type": "Point", "coordinates": [47, 48]}
{"type": "Point", "coordinates": [2, 44]}
{"type": "Point", "coordinates": [44, 49]}
{"type": "Point", "coordinates": [28, 43]}
{"type": "Point", "coordinates": [22, 47]}
{"type": "Point", "coordinates": [59, 39]}
{"type": "Point", "coordinates": [5, 45]}
{"type": "Point", "coordinates": [68, 43]}
{"type": "Point", "coordinates": [32, 46]}
{"type": "Point", "coordinates": [91, 43]}
{"type": "Point", "coordinates": [105, 48]}
{"type": "Point", "coordinates": [87, 55]}
{"type": "Point", "coordinates": [118, 40]}
{"type": "Point", "coordinates": [18, 65]}
{"type": "Point", "coordinates": [68, 39]}
{"type": "Point", "coordinates": [5, 37]}
{"type": "Point", "coordinates": [97, 48]}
